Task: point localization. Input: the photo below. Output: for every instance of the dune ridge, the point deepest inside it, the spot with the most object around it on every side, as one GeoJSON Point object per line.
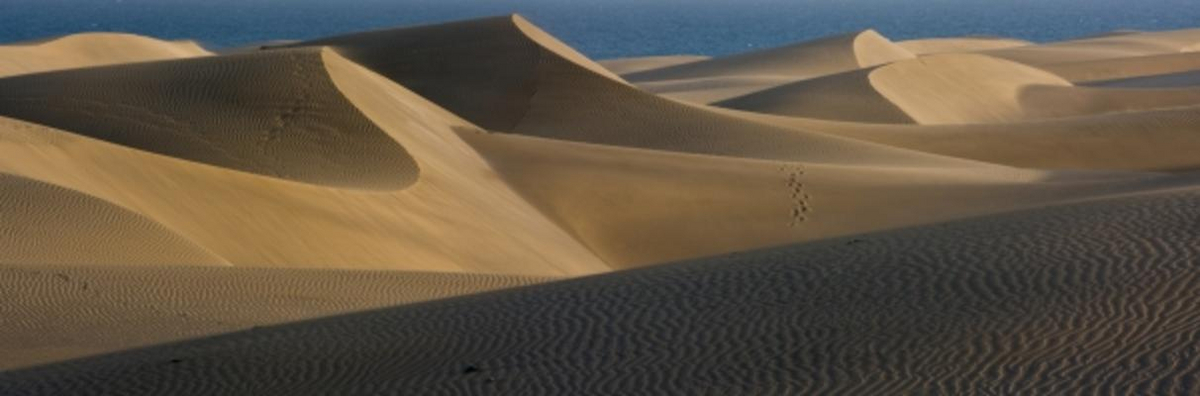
{"type": "Point", "coordinates": [90, 49]}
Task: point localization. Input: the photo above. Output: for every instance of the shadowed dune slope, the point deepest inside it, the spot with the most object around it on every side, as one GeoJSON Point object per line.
{"type": "Point", "coordinates": [55, 313]}
{"type": "Point", "coordinates": [484, 70]}
{"type": "Point", "coordinates": [1156, 140]}
{"type": "Point", "coordinates": [90, 49]}
{"type": "Point", "coordinates": [639, 207]}
{"type": "Point", "coordinates": [959, 44]}
{"type": "Point", "coordinates": [623, 66]}
{"type": "Point", "coordinates": [1186, 79]}
{"type": "Point", "coordinates": [847, 97]}
{"type": "Point", "coordinates": [457, 217]}
{"type": "Point", "coordinates": [275, 114]}
{"type": "Point", "coordinates": [564, 97]}
{"type": "Point", "coordinates": [44, 223]}
{"type": "Point", "coordinates": [1094, 298]}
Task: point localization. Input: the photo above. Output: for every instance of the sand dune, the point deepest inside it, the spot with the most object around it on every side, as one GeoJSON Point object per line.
{"type": "Point", "coordinates": [843, 216]}
{"type": "Point", "coordinates": [1052, 301]}
{"type": "Point", "coordinates": [937, 89]}
{"type": "Point", "coordinates": [1104, 47]}
{"type": "Point", "coordinates": [563, 97]}
{"type": "Point", "coordinates": [805, 60]}
{"type": "Point", "coordinates": [847, 96]}
{"type": "Point", "coordinates": [90, 49]}
{"type": "Point", "coordinates": [624, 66]}
{"type": "Point", "coordinates": [259, 220]}
{"type": "Point", "coordinates": [1159, 140]}
{"type": "Point", "coordinates": [639, 207]}
{"type": "Point", "coordinates": [1119, 68]}
{"type": "Point", "coordinates": [952, 89]}
{"type": "Point", "coordinates": [44, 223]}
{"type": "Point", "coordinates": [1171, 80]}
{"type": "Point", "coordinates": [280, 115]}
{"type": "Point", "coordinates": [959, 44]}
{"type": "Point", "coordinates": [722, 78]}
{"type": "Point", "coordinates": [56, 313]}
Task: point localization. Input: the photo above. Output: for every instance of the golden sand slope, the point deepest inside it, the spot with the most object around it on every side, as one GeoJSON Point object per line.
{"type": "Point", "coordinates": [1159, 140]}
{"type": "Point", "coordinates": [943, 45]}
{"type": "Point", "coordinates": [90, 49]}
{"type": "Point", "coordinates": [804, 60]}
{"type": "Point", "coordinates": [1118, 68]}
{"type": "Point", "coordinates": [936, 89]}
{"type": "Point", "coordinates": [1104, 47]}
{"type": "Point", "coordinates": [55, 313]}
{"type": "Point", "coordinates": [451, 218]}
{"type": "Point", "coordinates": [848, 96]}
{"type": "Point", "coordinates": [1090, 298]}
{"type": "Point", "coordinates": [640, 207]}
{"type": "Point", "coordinates": [953, 89]}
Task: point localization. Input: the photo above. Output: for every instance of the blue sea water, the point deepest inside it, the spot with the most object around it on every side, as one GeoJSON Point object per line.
{"type": "Point", "coordinates": [601, 28]}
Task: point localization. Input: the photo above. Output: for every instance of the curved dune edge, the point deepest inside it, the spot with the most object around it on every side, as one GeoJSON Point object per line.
{"type": "Point", "coordinates": [55, 313]}
{"type": "Point", "coordinates": [803, 60]}
{"type": "Point", "coordinates": [90, 50]}
{"type": "Point", "coordinates": [546, 94]}
{"type": "Point", "coordinates": [252, 220]}
{"type": "Point", "coordinates": [848, 96]}
{"type": "Point", "coordinates": [1081, 300]}
{"type": "Point", "coordinates": [45, 223]}
{"type": "Point", "coordinates": [959, 88]}
{"type": "Point", "coordinates": [954, 89]}
{"type": "Point", "coordinates": [492, 94]}
{"type": "Point", "coordinates": [716, 79]}
{"type": "Point", "coordinates": [275, 114]}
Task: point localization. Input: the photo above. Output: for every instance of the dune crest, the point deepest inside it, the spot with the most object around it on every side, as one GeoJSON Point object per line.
{"type": "Point", "coordinates": [280, 116]}
{"type": "Point", "coordinates": [90, 49]}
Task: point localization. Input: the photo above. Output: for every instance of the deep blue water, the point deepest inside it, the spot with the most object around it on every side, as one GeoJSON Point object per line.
{"type": "Point", "coordinates": [601, 28]}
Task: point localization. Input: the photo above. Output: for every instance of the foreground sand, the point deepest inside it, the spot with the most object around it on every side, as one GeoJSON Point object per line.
{"type": "Point", "coordinates": [850, 215]}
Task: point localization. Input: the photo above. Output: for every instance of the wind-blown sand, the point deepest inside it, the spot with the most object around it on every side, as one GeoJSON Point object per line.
{"type": "Point", "coordinates": [350, 215]}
